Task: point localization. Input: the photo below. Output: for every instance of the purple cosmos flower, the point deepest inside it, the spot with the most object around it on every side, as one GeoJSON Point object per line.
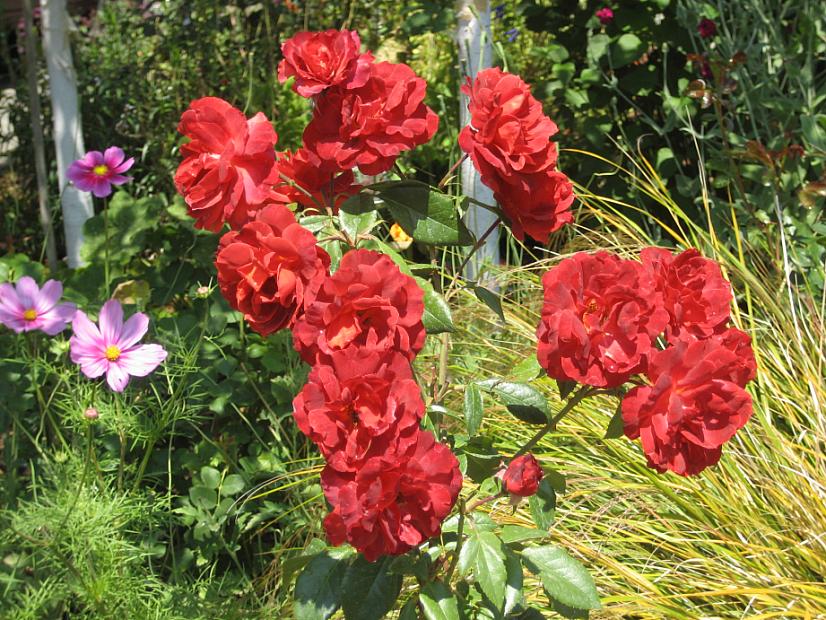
{"type": "Point", "coordinates": [97, 172]}
{"type": "Point", "coordinates": [707, 28]}
{"type": "Point", "coordinates": [26, 307]}
{"type": "Point", "coordinates": [113, 349]}
{"type": "Point", "coordinates": [605, 16]}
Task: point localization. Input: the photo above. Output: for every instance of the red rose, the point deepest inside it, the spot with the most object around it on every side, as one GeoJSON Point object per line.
{"type": "Point", "coordinates": [362, 403]}
{"type": "Point", "coordinates": [509, 134]}
{"type": "Point", "coordinates": [600, 319]}
{"type": "Point", "coordinates": [226, 162]}
{"type": "Point", "coordinates": [694, 292]}
{"type": "Point", "coordinates": [739, 343]}
{"type": "Point", "coordinates": [544, 207]}
{"type": "Point", "coordinates": [391, 505]}
{"type": "Point", "coordinates": [371, 125]}
{"type": "Point", "coordinates": [326, 185]}
{"type": "Point", "coordinates": [319, 60]}
{"type": "Point", "coordinates": [271, 269]}
{"type": "Point", "coordinates": [523, 475]}
{"type": "Point", "coordinates": [692, 407]}
{"type": "Point", "coordinates": [367, 303]}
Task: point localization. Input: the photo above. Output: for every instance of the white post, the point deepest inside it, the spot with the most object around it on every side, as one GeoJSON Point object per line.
{"type": "Point", "coordinates": [68, 135]}
{"type": "Point", "coordinates": [473, 37]}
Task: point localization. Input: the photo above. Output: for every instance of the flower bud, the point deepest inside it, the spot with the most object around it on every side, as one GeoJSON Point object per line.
{"type": "Point", "coordinates": [91, 414]}
{"type": "Point", "coordinates": [522, 476]}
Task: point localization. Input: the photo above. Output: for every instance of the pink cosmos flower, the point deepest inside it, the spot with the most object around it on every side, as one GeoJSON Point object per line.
{"type": "Point", "coordinates": [26, 307]}
{"type": "Point", "coordinates": [97, 172]}
{"type": "Point", "coordinates": [113, 349]}
{"type": "Point", "coordinates": [605, 16]}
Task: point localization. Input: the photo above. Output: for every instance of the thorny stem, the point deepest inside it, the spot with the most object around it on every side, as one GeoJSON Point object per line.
{"type": "Point", "coordinates": [483, 500]}
{"type": "Point", "coordinates": [450, 172]}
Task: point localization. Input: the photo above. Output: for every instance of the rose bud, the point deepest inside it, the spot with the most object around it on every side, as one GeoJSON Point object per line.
{"type": "Point", "coordinates": [522, 476]}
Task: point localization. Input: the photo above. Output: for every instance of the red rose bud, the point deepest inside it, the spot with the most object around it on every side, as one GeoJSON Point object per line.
{"type": "Point", "coordinates": [523, 475]}
{"type": "Point", "coordinates": [605, 16]}
{"type": "Point", "coordinates": [271, 270]}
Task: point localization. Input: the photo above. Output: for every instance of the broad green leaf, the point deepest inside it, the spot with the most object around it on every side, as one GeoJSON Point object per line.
{"type": "Point", "coordinates": [626, 49]}
{"type": "Point", "coordinates": [409, 611]}
{"type": "Point", "coordinates": [543, 505]}
{"type": "Point", "coordinates": [814, 130]}
{"type": "Point", "coordinates": [295, 563]}
{"type": "Point", "coordinates": [474, 408]}
{"type": "Point", "coordinates": [598, 46]}
{"type": "Point", "coordinates": [564, 578]}
{"type": "Point", "coordinates": [572, 613]}
{"type": "Point", "coordinates": [490, 299]}
{"type": "Point", "coordinates": [616, 427]}
{"type": "Point", "coordinates": [438, 602]}
{"type": "Point", "coordinates": [518, 533]}
{"type": "Point", "coordinates": [513, 583]}
{"type": "Point", "coordinates": [526, 370]}
{"type": "Point", "coordinates": [489, 567]}
{"type": "Point", "coordinates": [357, 224]}
{"type": "Point", "coordinates": [318, 587]}
{"type": "Point", "coordinates": [555, 479]}
{"type": "Point", "coordinates": [210, 477]}
{"type": "Point", "coordinates": [369, 589]}
{"type": "Point", "coordinates": [467, 555]}
{"type": "Point", "coordinates": [202, 497]}
{"type": "Point", "coordinates": [232, 484]}
{"type": "Point", "coordinates": [411, 563]}
{"type": "Point", "coordinates": [523, 401]}
{"type": "Point", "coordinates": [436, 317]}
{"type": "Point", "coordinates": [428, 215]}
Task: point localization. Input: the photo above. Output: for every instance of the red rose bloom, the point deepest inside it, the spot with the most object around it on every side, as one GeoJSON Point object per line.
{"type": "Point", "coordinates": [226, 162]}
{"type": "Point", "coordinates": [367, 303]}
{"type": "Point", "coordinates": [362, 403]}
{"type": "Point", "coordinates": [319, 60]}
{"type": "Point", "coordinates": [371, 125]}
{"type": "Point", "coordinates": [692, 407]}
{"type": "Point", "coordinates": [739, 343]}
{"type": "Point", "coordinates": [327, 185]}
{"type": "Point", "coordinates": [523, 475]}
{"type": "Point", "coordinates": [391, 505]}
{"type": "Point", "coordinates": [271, 269]}
{"type": "Point", "coordinates": [694, 292]}
{"type": "Point", "coordinates": [541, 209]}
{"type": "Point", "coordinates": [509, 134]}
{"type": "Point", "coordinates": [599, 320]}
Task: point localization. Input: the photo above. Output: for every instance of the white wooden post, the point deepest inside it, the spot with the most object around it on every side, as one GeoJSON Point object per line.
{"type": "Point", "coordinates": [68, 134]}
{"type": "Point", "coordinates": [473, 37]}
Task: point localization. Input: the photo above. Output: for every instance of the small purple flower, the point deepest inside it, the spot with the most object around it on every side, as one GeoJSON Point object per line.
{"type": "Point", "coordinates": [499, 12]}
{"type": "Point", "coordinates": [113, 349]}
{"type": "Point", "coordinates": [706, 28]}
{"type": "Point", "coordinates": [512, 34]}
{"type": "Point", "coordinates": [605, 16]}
{"type": "Point", "coordinates": [25, 307]}
{"type": "Point", "coordinates": [97, 172]}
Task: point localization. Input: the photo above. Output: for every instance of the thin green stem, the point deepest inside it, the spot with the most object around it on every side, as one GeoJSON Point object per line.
{"type": "Point", "coordinates": [106, 278]}
{"type": "Point", "coordinates": [150, 445]}
{"type": "Point", "coordinates": [459, 531]}
{"type": "Point", "coordinates": [450, 172]}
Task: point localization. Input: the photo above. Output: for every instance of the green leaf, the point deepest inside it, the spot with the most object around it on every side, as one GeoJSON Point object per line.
{"type": "Point", "coordinates": [518, 533]}
{"type": "Point", "coordinates": [318, 587]}
{"type": "Point", "coordinates": [438, 602]}
{"type": "Point", "coordinates": [295, 563]}
{"type": "Point", "coordinates": [526, 370]}
{"type": "Point", "coordinates": [210, 477]}
{"type": "Point", "coordinates": [564, 578]}
{"type": "Point", "coordinates": [523, 401]}
{"type": "Point", "coordinates": [490, 299]}
{"type": "Point", "coordinates": [426, 214]}
{"type": "Point", "coordinates": [814, 130]}
{"type": "Point", "coordinates": [543, 505]}
{"type": "Point", "coordinates": [412, 563]}
{"type": "Point", "coordinates": [357, 224]}
{"type": "Point", "coordinates": [626, 49]}
{"type": "Point", "coordinates": [598, 46]}
{"type": "Point", "coordinates": [489, 567]}
{"type": "Point", "coordinates": [555, 479]}
{"type": "Point", "coordinates": [616, 427]}
{"type": "Point", "coordinates": [565, 388]}
{"type": "Point", "coordinates": [369, 589]}
{"type": "Point", "coordinates": [202, 497]}
{"type": "Point", "coordinates": [409, 611]}
{"type": "Point", "coordinates": [436, 317]}
{"type": "Point", "coordinates": [232, 484]}
{"type": "Point", "coordinates": [129, 220]}
{"type": "Point", "coordinates": [474, 409]}
{"type": "Point", "coordinates": [572, 613]}
{"type": "Point", "coordinates": [514, 581]}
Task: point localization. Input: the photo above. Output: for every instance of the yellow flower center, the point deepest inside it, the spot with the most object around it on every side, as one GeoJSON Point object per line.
{"type": "Point", "coordinates": [100, 170]}
{"type": "Point", "coordinates": [112, 353]}
{"type": "Point", "coordinates": [30, 314]}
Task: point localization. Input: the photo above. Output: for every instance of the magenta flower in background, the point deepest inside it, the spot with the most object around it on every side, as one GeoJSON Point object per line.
{"type": "Point", "coordinates": [97, 172]}
{"type": "Point", "coordinates": [605, 16]}
{"type": "Point", "coordinates": [707, 28]}
{"type": "Point", "coordinates": [26, 307]}
{"type": "Point", "coordinates": [113, 349]}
